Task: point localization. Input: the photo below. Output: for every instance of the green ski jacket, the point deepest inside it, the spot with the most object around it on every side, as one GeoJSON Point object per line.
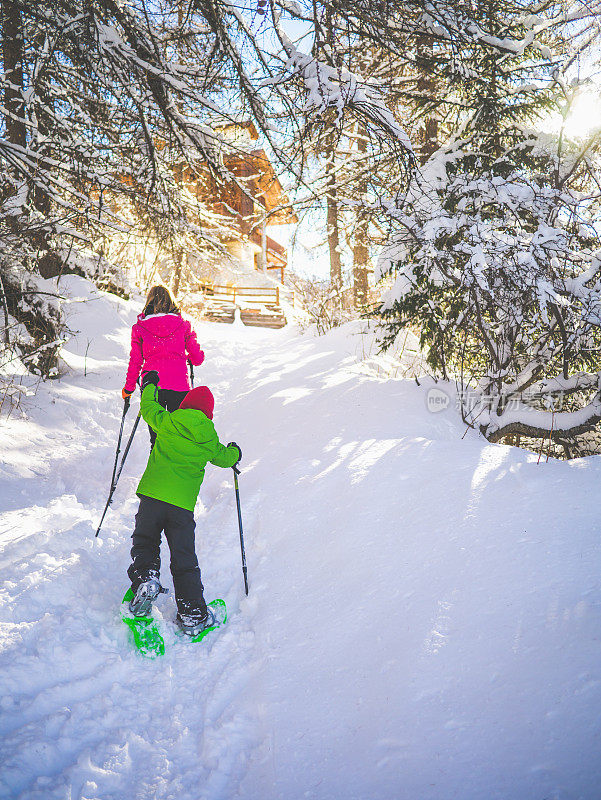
{"type": "Point", "coordinates": [186, 441]}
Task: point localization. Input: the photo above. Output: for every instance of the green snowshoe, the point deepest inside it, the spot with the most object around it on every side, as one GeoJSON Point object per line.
{"type": "Point", "coordinates": [145, 630]}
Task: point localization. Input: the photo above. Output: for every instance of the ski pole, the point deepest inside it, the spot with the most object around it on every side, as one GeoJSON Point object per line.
{"type": "Point", "coordinates": [191, 373]}
{"type": "Point", "coordinates": [116, 477]}
{"type": "Point", "coordinates": [125, 410]}
{"type": "Point", "coordinates": [244, 571]}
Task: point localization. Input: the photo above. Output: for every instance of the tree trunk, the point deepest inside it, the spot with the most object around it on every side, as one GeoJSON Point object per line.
{"type": "Point", "coordinates": [264, 246]}
{"type": "Point", "coordinates": [332, 223]}
{"type": "Point", "coordinates": [360, 248]}
{"type": "Point", "coordinates": [40, 139]}
{"type": "Point", "coordinates": [360, 257]}
{"type": "Point", "coordinates": [12, 55]}
{"type": "Point", "coordinates": [427, 88]}
{"type": "Point", "coordinates": [330, 152]}
{"type": "Point", "coordinates": [177, 276]}
{"type": "Point", "coordinates": [430, 139]}
{"type": "Point", "coordinates": [179, 103]}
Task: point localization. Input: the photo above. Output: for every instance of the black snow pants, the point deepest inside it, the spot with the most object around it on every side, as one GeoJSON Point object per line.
{"type": "Point", "coordinates": [169, 399]}
{"type": "Point", "coordinates": [154, 517]}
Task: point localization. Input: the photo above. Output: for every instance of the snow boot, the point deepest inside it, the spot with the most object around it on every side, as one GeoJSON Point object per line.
{"type": "Point", "coordinates": [193, 624]}
{"type": "Point", "coordinates": [149, 590]}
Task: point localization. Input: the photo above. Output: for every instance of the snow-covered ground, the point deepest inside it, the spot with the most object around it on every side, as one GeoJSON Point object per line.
{"type": "Point", "coordinates": [424, 617]}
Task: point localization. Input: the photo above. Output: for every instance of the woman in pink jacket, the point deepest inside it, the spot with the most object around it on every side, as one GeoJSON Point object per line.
{"type": "Point", "coordinates": [162, 340]}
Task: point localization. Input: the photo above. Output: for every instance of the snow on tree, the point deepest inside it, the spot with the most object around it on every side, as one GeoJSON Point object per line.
{"type": "Point", "coordinates": [106, 100]}
{"type": "Point", "coordinates": [495, 254]}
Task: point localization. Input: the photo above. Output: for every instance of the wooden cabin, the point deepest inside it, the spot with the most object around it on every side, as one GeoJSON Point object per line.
{"type": "Point", "coordinates": [243, 203]}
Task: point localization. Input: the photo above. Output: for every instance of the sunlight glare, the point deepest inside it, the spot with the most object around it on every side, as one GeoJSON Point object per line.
{"type": "Point", "coordinates": [585, 115]}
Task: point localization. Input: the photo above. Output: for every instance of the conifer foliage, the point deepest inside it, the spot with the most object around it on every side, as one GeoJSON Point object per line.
{"type": "Point", "coordinates": [495, 253]}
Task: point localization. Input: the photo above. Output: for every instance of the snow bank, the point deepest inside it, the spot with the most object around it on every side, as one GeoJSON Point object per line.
{"type": "Point", "coordinates": [423, 618]}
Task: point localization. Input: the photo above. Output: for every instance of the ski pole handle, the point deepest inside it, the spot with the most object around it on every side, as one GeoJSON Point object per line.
{"type": "Point", "coordinates": [127, 446]}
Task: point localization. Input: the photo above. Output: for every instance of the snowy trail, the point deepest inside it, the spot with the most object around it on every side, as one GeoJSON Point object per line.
{"type": "Point", "coordinates": [83, 716]}
{"type": "Point", "coordinates": [424, 620]}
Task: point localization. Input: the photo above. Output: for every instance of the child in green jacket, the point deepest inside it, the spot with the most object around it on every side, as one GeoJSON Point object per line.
{"type": "Point", "coordinates": [186, 441]}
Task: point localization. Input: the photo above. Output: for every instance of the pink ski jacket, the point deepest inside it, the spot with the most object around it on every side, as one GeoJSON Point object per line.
{"type": "Point", "coordinates": [164, 342]}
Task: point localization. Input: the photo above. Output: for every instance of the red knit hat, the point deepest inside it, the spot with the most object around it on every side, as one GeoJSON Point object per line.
{"type": "Point", "coordinates": [201, 399]}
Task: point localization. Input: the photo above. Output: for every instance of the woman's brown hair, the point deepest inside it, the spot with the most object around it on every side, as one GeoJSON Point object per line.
{"type": "Point", "coordinates": [159, 301]}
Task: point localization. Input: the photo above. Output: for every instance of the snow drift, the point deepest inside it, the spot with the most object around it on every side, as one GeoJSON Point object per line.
{"type": "Point", "coordinates": [424, 612]}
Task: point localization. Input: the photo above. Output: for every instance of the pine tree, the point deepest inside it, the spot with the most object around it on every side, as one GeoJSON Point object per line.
{"type": "Point", "coordinates": [495, 256]}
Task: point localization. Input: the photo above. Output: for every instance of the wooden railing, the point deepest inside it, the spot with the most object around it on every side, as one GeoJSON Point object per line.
{"type": "Point", "coordinates": [268, 296]}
